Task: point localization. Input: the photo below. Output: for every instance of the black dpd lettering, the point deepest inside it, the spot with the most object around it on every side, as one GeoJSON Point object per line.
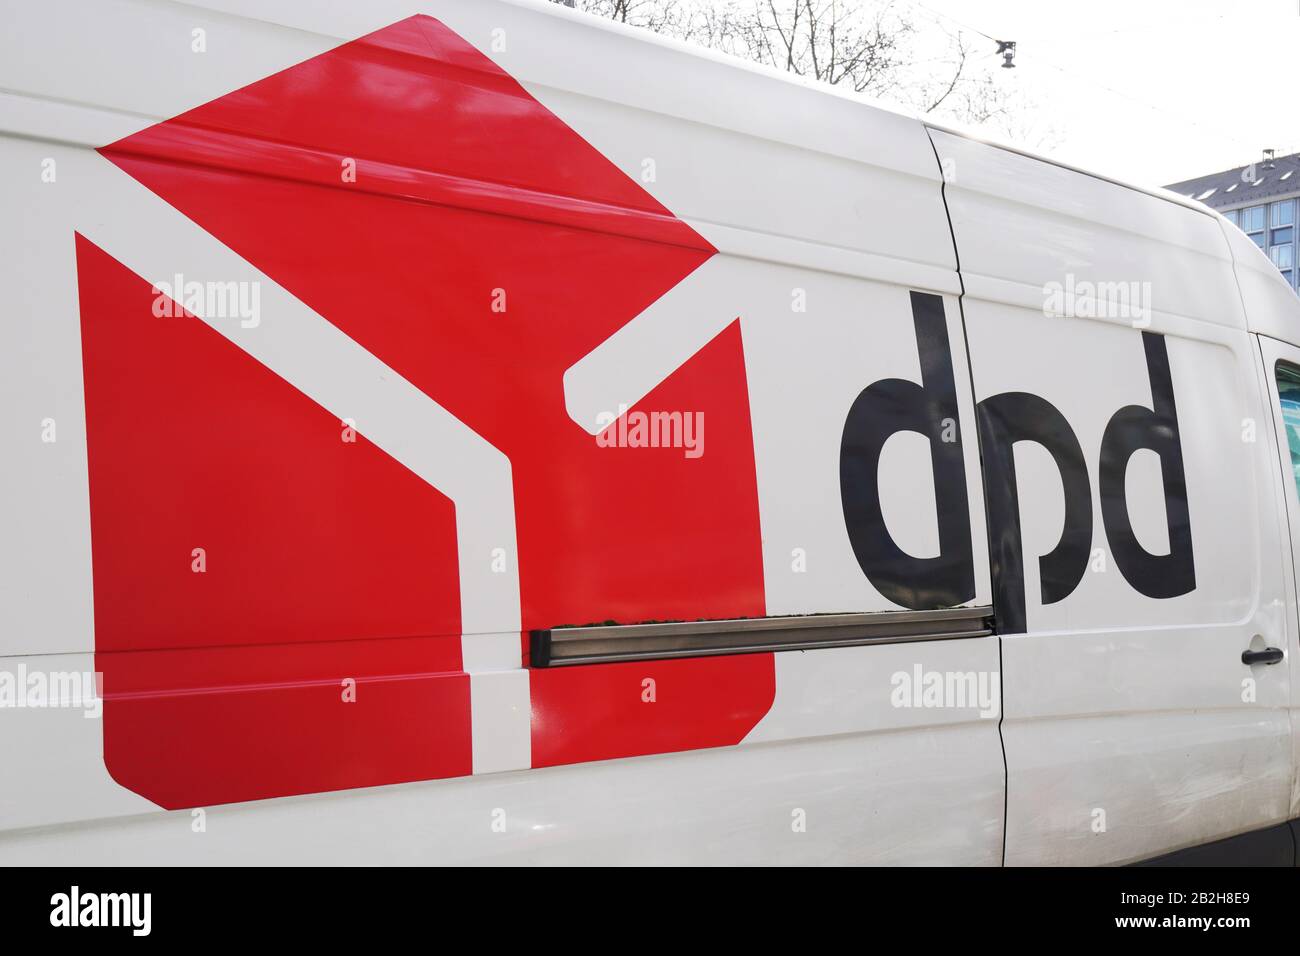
{"type": "Point", "coordinates": [1156, 429]}
{"type": "Point", "coordinates": [930, 409]}
{"type": "Point", "coordinates": [1004, 420]}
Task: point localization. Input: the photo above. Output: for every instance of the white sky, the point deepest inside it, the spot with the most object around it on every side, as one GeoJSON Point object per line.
{"type": "Point", "coordinates": [1153, 91]}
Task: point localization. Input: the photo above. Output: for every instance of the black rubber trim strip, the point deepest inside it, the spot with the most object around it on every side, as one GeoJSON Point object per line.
{"type": "Point", "coordinates": [643, 642]}
{"type": "Point", "coordinates": [1270, 846]}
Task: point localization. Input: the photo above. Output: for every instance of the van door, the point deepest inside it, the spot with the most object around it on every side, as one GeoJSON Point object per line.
{"type": "Point", "coordinates": [1282, 370]}
{"type": "Point", "coordinates": [1136, 551]}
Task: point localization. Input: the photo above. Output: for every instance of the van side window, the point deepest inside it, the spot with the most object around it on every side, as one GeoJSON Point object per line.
{"type": "Point", "coordinates": [1288, 391]}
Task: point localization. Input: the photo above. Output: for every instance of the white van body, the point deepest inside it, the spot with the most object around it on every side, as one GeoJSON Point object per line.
{"type": "Point", "coordinates": [379, 377]}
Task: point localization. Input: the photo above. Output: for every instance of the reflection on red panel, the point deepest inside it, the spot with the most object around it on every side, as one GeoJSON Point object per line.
{"type": "Point", "coordinates": [418, 262]}
{"type": "Point", "coordinates": [600, 711]}
{"type": "Point", "coordinates": [322, 561]}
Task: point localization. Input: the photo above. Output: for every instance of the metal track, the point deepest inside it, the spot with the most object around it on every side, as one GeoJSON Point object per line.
{"type": "Point", "coordinates": [563, 646]}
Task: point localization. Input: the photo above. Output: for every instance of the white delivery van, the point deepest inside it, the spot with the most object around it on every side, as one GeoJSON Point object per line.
{"type": "Point", "coordinates": [450, 430]}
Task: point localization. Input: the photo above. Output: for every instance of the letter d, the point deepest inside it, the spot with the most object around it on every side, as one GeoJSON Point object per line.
{"type": "Point", "coordinates": [881, 410]}
{"type": "Point", "coordinates": [1156, 429]}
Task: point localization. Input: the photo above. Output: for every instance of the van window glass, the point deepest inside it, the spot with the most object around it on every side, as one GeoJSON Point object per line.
{"type": "Point", "coordinates": [1288, 391]}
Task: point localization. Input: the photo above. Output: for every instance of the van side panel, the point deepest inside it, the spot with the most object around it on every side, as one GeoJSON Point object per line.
{"type": "Point", "coordinates": [1274, 312]}
{"type": "Point", "coordinates": [1109, 322]}
{"type": "Point", "coordinates": [474, 259]}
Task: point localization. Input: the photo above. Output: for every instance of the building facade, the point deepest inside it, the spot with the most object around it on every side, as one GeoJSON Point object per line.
{"type": "Point", "coordinates": [1260, 200]}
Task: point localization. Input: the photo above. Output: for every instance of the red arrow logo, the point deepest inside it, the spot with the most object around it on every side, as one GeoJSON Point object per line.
{"type": "Point", "coordinates": [412, 193]}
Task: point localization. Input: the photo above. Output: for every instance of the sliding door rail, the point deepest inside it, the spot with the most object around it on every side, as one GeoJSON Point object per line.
{"type": "Point", "coordinates": [597, 644]}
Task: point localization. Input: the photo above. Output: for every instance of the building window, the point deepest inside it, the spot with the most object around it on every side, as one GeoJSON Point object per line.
{"type": "Point", "coordinates": [1272, 227]}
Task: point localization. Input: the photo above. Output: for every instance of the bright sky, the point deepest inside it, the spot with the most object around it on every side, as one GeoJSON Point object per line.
{"type": "Point", "coordinates": [1152, 91]}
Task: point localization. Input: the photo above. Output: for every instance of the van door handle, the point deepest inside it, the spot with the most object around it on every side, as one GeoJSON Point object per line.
{"type": "Point", "coordinates": [1269, 655]}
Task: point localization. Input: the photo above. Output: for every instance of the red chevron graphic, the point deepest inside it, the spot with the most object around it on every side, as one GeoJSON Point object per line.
{"type": "Point", "coordinates": [468, 192]}
{"type": "Point", "coordinates": [325, 561]}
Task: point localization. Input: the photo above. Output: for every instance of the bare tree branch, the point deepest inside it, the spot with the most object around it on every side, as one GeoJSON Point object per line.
{"type": "Point", "coordinates": [870, 46]}
{"type": "Point", "coordinates": [957, 75]}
